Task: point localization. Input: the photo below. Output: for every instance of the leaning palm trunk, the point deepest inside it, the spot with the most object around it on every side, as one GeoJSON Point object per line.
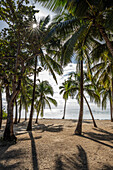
{"type": "Point", "coordinates": [37, 118]}
{"type": "Point", "coordinates": [29, 127]}
{"type": "Point", "coordinates": [16, 112]}
{"type": "Point", "coordinates": [90, 112]}
{"type": "Point", "coordinates": [78, 129]}
{"type": "Point", "coordinates": [108, 42]}
{"type": "Point", "coordinates": [111, 109]}
{"type": "Point", "coordinates": [0, 107]}
{"type": "Point", "coordinates": [20, 108]}
{"type": "Point", "coordinates": [64, 109]}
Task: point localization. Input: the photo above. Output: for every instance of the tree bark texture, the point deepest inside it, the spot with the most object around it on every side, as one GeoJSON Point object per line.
{"type": "Point", "coordinates": [108, 42]}
{"type": "Point", "coordinates": [37, 118]}
{"type": "Point", "coordinates": [29, 127]}
{"type": "Point", "coordinates": [16, 112]}
{"type": "Point", "coordinates": [78, 130]}
{"type": "Point", "coordinates": [90, 112]}
{"type": "Point", "coordinates": [64, 109]}
{"type": "Point", "coordinates": [25, 114]}
{"type": "Point", "coordinates": [20, 108]}
{"type": "Point", "coordinates": [8, 133]}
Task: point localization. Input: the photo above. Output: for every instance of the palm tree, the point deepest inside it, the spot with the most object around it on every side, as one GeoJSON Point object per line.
{"type": "Point", "coordinates": [20, 108]}
{"type": "Point", "coordinates": [47, 62]}
{"type": "Point", "coordinates": [43, 92]}
{"type": "Point", "coordinates": [65, 90]}
{"type": "Point", "coordinates": [98, 14]}
{"type": "Point", "coordinates": [88, 88]}
{"type": "Point", "coordinates": [106, 95]}
{"type": "Point", "coordinates": [16, 112]}
{"type": "Point", "coordinates": [16, 53]}
{"type": "Point", "coordinates": [29, 127]}
{"type": "Point", "coordinates": [103, 73]}
{"type": "Point", "coordinates": [25, 95]}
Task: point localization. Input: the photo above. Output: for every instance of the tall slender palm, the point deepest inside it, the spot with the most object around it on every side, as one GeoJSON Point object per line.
{"type": "Point", "coordinates": [25, 96]}
{"type": "Point", "coordinates": [106, 95]}
{"type": "Point", "coordinates": [103, 72]}
{"type": "Point", "coordinates": [16, 112]}
{"type": "Point", "coordinates": [47, 61]}
{"type": "Point", "coordinates": [64, 88]}
{"type": "Point", "coordinates": [43, 92]}
{"type": "Point", "coordinates": [88, 88]}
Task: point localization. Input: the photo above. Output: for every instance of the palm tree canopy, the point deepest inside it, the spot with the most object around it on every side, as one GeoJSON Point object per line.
{"type": "Point", "coordinates": [43, 92]}
{"type": "Point", "coordinates": [64, 88]}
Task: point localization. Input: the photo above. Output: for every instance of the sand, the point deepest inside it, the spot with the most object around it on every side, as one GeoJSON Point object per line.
{"type": "Point", "coordinates": [51, 145]}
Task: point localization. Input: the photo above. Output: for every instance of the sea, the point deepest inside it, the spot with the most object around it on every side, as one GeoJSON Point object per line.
{"type": "Point", "coordinates": [72, 108]}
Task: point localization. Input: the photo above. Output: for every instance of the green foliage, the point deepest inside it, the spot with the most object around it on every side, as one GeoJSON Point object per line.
{"type": "Point", "coordinates": [4, 114]}
{"type": "Point", "coordinates": [43, 92]}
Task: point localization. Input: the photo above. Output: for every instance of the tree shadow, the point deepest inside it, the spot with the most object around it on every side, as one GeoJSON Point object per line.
{"type": "Point", "coordinates": [10, 155]}
{"type": "Point", "coordinates": [84, 121]}
{"type": "Point", "coordinates": [75, 162]}
{"type": "Point", "coordinates": [108, 136]}
{"type": "Point", "coordinates": [99, 137]}
{"type": "Point", "coordinates": [34, 152]}
{"type": "Point", "coordinates": [49, 128]}
{"type": "Point", "coordinates": [103, 135]}
{"type": "Point", "coordinates": [107, 167]}
{"type": "Point", "coordinates": [26, 139]}
{"type": "Point", "coordinates": [9, 167]}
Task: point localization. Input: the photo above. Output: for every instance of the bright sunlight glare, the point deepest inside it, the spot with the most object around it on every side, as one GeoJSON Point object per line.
{"type": "Point", "coordinates": [34, 25]}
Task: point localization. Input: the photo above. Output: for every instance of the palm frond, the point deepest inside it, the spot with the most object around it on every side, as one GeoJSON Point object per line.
{"type": "Point", "coordinates": [69, 46]}
{"type": "Point", "coordinates": [53, 101]}
{"type": "Point", "coordinates": [47, 65]}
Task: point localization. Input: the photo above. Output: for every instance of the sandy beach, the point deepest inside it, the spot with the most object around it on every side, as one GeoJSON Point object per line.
{"type": "Point", "coordinates": [51, 145]}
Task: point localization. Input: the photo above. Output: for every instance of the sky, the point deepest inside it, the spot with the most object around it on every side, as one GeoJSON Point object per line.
{"type": "Point", "coordinates": [42, 13]}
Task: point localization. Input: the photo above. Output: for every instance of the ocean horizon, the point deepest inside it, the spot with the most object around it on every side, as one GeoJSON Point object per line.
{"type": "Point", "coordinates": [72, 108]}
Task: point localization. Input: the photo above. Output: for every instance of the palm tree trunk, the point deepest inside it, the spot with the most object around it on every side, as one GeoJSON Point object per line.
{"type": "Point", "coordinates": [25, 114]}
{"type": "Point", "coordinates": [108, 42]}
{"type": "Point", "coordinates": [37, 118]}
{"type": "Point", "coordinates": [29, 127]}
{"type": "Point", "coordinates": [90, 112]}
{"type": "Point", "coordinates": [8, 133]}
{"type": "Point", "coordinates": [20, 111]}
{"type": "Point", "coordinates": [16, 112]}
{"type": "Point", "coordinates": [64, 109]}
{"type": "Point", "coordinates": [78, 129]}
{"type": "Point", "coordinates": [111, 108]}
{"type": "Point", "coordinates": [1, 113]}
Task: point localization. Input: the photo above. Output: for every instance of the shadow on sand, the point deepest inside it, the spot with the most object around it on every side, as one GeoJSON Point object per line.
{"type": "Point", "coordinates": [49, 128]}
{"type": "Point", "coordinates": [103, 135]}
{"type": "Point", "coordinates": [76, 161]}
{"type": "Point", "coordinates": [9, 155]}
{"type": "Point", "coordinates": [34, 152]}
